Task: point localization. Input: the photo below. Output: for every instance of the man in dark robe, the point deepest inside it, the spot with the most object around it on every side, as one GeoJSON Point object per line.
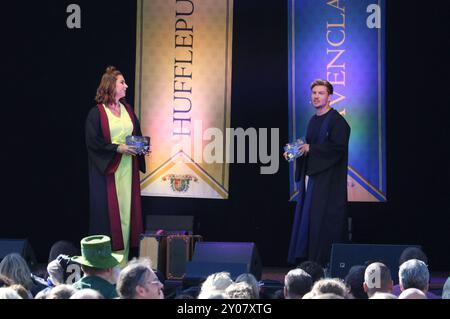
{"type": "Point", "coordinates": [320, 216]}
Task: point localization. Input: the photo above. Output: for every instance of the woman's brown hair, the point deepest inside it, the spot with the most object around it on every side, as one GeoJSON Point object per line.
{"type": "Point", "coordinates": [106, 91]}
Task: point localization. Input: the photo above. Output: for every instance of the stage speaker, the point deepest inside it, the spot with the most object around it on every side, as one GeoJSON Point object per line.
{"type": "Point", "coordinates": [344, 256]}
{"type": "Point", "coordinates": [212, 257]}
{"type": "Point", "coordinates": [20, 246]}
{"type": "Point", "coordinates": [170, 224]}
{"type": "Point", "coordinates": [179, 252]}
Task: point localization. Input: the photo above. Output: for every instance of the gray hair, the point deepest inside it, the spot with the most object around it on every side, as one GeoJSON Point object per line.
{"type": "Point", "coordinates": [446, 289]}
{"type": "Point", "coordinates": [414, 274]}
{"type": "Point", "coordinates": [252, 281]}
{"type": "Point", "coordinates": [133, 275]}
{"type": "Point", "coordinates": [217, 281]}
{"type": "Point", "coordinates": [15, 267]}
{"type": "Point", "coordinates": [239, 290]}
{"type": "Point", "coordinates": [330, 285]}
{"type": "Point", "coordinates": [62, 291]}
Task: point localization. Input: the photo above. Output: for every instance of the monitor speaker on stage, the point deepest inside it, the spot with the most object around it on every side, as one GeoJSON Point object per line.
{"type": "Point", "coordinates": [19, 246]}
{"type": "Point", "coordinates": [212, 257]}
{"type": "Point", "coordinates": [179, 253]}
{"type": "Point", "coordinates": [344, 256]}
{"type": "Point", "coordinates": [169, 224]}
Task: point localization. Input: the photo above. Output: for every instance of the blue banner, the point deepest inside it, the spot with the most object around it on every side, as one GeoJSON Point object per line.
{"type": "Point", "coordinates": [343, 42]}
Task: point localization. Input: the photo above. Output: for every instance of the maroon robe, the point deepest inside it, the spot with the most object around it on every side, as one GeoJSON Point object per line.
{"type": "Point", "coordinates": [103, 162]}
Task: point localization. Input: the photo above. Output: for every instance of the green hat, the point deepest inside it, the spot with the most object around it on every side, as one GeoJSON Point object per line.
{"type": "Point", "coordinates": [96, 252]}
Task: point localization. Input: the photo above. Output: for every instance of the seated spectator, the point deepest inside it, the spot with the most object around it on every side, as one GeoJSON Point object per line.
{"type": "Point", "coordinates": [412, 293]}
{"type": "Point", "coordinates": [412, 253]}
{"type": "Point", "coordinates": [99, 265]}
{"type": "Point", "coordinates": [446, 289]}
{"type": "Point", "coordinates": [377, 278]}
{"type": "Point", "coordinates": [15, 268]}
{"type": "Point", "coordinates": [239, 290]}
{"type": "Point", "coordinates": [61, 292]}
{"type": "Point", "coordinates": [315, 270]}
{"type": "Point", "coordinates": [138, 281]}
{"type": "Point", "coordinates": [62, 247]}
{"type": "Point", "coordinates": [408, 254]}
{"type": "Point", "coordinates": [63, 270]}
{"type": "Point", "coordinates": [251, 280]}
{"type": "Point", "coordinates": [215, 284]}
{"type": "Point", "coordinates": [297, 282]}
{"type": "Point", "coordinates": [213, 294]}
{"type": "Point", "coordinates": [87, 294]}
{"type": "Point", "coordinates": [335, 286]}
{"type": "Point", "coordinates": [354, 282]}
{"type": "Point", "coordinates": [5, 281]}
{"type": "Point", "coordinates": [21, 291]}
{"type": "Point", "coordinates": [414, 274]}
{"type": "Point", "coordinates": [43, 293]}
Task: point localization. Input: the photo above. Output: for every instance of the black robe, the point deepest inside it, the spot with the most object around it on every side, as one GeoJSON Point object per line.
{"type": "Point", "coordinates": [103, 161]}
{"type": "Point", "coordinates": [321, 217]}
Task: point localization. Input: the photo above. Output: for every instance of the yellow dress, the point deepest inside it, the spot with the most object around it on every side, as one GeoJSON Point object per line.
{"type": "Point", "coordinates": [120, 128]}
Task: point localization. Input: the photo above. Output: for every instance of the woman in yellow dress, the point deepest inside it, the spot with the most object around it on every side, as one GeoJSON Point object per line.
{"type": "Point", "coordinates": [114, 187]}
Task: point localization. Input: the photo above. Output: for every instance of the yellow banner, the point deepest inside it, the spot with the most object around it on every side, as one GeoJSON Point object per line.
{"type": "Point", "coordinates": [183, 92]}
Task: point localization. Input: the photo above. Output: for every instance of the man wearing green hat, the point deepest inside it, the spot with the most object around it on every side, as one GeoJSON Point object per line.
{"type": "Point", "coordinates": [99, 265]}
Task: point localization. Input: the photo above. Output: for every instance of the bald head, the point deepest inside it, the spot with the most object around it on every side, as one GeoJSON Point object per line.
{"type": "Point", "coordinates": [412, 293]}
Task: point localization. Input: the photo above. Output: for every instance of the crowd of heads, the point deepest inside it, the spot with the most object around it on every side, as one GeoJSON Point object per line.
{"type": "Point", "coordinates": [95, 273]}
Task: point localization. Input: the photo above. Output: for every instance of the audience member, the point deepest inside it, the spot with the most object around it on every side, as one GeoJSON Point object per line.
{"type": "Point", "coordinates": [377, 278]}
{"type": "Point", "coordinates": [329, 285]}
{"type": "Point", "coordinates": [239, 290]}
{"type": "Point", "coordinates": [15, 268]}
{"type": "Point", "coordinates": [297, 282]}
{"type": "Point", "coordinates": [62, 291]}
{"type": "Point", "coordinates": [252, 281]}
{"type": "Point", "coordinates": [87, 294]}
{"type": "Point", "coordinates": [98, 263]}
{"type": "Point", "coordinates": [413, 274]}
{"type": "Point", "coordinates": [412, 293]}
{"type": "Point", "coordinates": [446, 289]}
{"type": "Point", "coordinates": [315, 270]}
{"type": "Point", "coordinates": [138, 281]}
{"type": "Point", "coordinates": [354, 282]}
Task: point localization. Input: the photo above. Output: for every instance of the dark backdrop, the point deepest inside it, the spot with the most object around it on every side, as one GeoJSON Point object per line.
{"type": "Point", "coordinates": [49, 85]}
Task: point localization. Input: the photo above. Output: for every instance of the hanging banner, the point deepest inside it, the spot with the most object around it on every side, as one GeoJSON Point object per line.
{"type": "Point", "coordinates": [183, 90]}
{"type": "Point", "coordinates": [342, 41]}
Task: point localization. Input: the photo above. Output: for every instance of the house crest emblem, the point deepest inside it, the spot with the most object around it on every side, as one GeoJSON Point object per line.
{"type": "Point", "coordinates": [179, 183]}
